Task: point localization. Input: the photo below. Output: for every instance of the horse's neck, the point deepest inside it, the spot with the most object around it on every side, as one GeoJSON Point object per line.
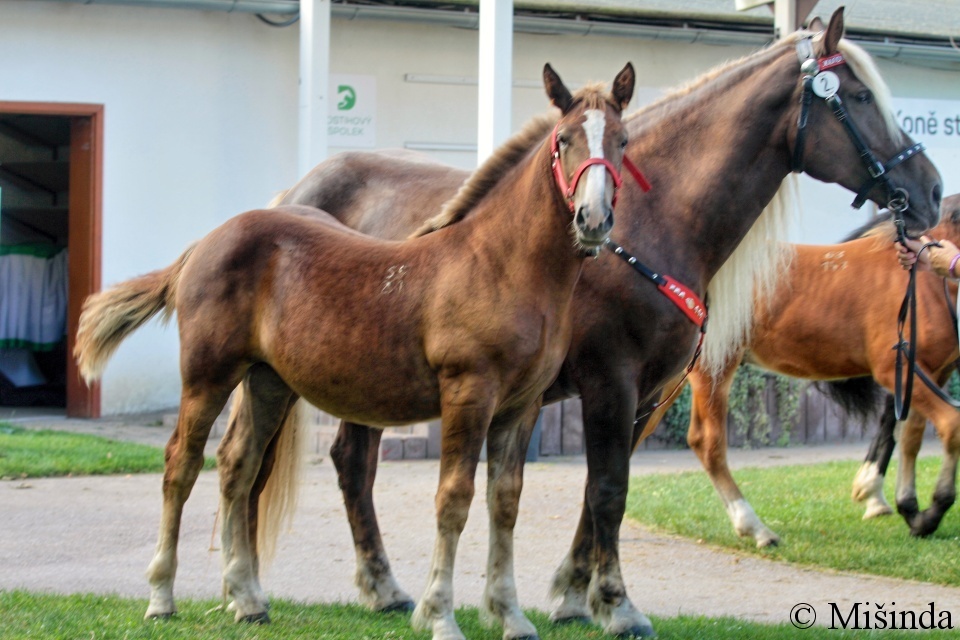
{"type": "Point", "coordinates": [523, 223]}
{"type": "Point", "coordinates": [716, 157]}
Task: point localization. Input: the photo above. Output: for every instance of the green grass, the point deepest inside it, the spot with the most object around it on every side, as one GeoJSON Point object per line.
{"type": "Point", "coordinates": [90, 617]}
{"type": "Point", "coordinates": [810, 507]}
{"type": "Point", "coordinates": [34, 454]}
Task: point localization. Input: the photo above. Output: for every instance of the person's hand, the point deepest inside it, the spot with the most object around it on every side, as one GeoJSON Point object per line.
{"type": "Point", "coordinates": [907, 253]}
{"type": "Point", "coordinates": [936, 259]}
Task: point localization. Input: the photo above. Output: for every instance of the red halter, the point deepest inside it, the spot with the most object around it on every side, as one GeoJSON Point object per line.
{"type": "Point", "coordinates": [566, 190]}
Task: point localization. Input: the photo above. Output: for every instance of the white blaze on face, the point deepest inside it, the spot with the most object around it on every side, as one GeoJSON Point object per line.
{"type": "Point", "coordinates": [596, 177]}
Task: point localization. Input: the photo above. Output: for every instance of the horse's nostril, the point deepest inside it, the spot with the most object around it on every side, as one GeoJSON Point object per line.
{"type": "Point", "coordinates": [937, 195]}
{"type": "Point", "coordinates": [607, 222]}
{"type": "Point", "coordinates": [581, 219]}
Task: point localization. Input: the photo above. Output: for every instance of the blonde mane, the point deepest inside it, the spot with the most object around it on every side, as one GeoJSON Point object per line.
{"type": "Point", "coordinates": [505, 158]}
{"type": "Point", "coordinates": [749, 277]}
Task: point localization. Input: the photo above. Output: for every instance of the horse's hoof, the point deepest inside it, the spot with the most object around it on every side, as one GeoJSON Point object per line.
{"type": "Point", "coordinates": [768, 543]}
{"type": "Point", "coordinates": [256, 618]}
{"type": "Point", "coordinates": [573, 620]}
{"type": "Point", "coordinates": [638, 631]}
{"type": "Point", "coordinates": [161, 616]}
{"type": "Point", "coordinates": [877, 512]}
{"type": "Point", "coordinates": [403, 606]}
{"type": "Point", "coordinates": [533, 637]}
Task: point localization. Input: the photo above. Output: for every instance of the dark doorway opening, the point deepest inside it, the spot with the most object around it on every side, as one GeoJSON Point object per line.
{"type": "Point", "coordinates": [50, 186]}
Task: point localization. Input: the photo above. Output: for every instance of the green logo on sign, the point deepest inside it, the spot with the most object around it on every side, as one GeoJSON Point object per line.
{"type": "Point", "coordinates": [347, 97]}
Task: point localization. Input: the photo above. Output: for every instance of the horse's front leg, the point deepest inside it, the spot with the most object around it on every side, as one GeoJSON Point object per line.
{"type": "Point", "coordinates": [868, 483]}
{"type": "Point", "coordinates": [266, 401]}
{"type": "Point", "coordinates": [707, 436]}
{"type": "Point", "coordinates": [354, 454]}
{"type": "Point", "coordinates": [609, 411]}
{"type": "Point", "coordinates": [467, 406]}
{"type": "Point", "coordinates": [507, 442]}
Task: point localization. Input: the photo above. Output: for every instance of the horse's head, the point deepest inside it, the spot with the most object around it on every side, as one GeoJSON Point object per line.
{"type": "Point", "coordinates": [587, 149]}
{"type": "Point", "coordinates": [847, 132]}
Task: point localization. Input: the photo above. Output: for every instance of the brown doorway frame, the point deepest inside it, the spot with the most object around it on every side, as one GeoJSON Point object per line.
{"type": "Point", "coordinates": [85, 226]}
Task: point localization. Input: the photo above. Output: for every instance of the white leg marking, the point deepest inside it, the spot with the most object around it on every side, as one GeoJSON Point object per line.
{"type": "Point", "coordinates": [868, 488]}
{"type": "Point", "coordinates": [747, 524]}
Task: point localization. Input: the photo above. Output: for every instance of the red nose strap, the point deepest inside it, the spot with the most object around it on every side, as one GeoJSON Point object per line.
{"type": "Point", "coordinates": [567, 190]}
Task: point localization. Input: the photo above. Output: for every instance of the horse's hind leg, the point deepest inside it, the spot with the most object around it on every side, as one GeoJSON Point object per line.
{"type": "Point", "coordinates": [946, 420]}
{"type": "Point", "coordinates": [354, 454]}
{"type": "Point", "coordinates": [868, 483]}
{"type": "Point", "coordinates": [266, 402]}
{"type": "Point", "coordinates": [507, 443]}
{"type": "Point", "coordinates": [199, 407]}
{"type": "Point", "coordinates": [571, 580]}
{"type": "Point", "coordinates": [707, 436]}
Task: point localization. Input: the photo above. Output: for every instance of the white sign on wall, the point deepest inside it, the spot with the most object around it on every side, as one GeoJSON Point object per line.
{"type": "Point", "coordinates": [935, 123]}
{"type": "Point", "coordinates": [353, 109]}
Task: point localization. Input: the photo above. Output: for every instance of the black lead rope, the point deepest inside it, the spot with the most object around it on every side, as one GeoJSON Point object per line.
{"type": "Point", "coordinates": [907, 349]}
{"type": "Point", "coordinates": [903, 383]}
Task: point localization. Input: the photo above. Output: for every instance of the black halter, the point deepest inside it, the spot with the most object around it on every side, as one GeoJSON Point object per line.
{"type": "Point", "coordinates": [811, 67]}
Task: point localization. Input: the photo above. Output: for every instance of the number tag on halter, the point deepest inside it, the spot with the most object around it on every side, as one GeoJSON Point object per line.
{"type": "Point", "coordinates": [825, 84]}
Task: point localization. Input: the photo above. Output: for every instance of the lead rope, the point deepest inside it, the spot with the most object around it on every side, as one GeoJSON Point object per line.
{"type": "Point", "coordinates": [903, 381]}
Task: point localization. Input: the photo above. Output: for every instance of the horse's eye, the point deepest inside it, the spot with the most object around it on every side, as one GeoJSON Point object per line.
{"type": "Point", "coordinates": [864, 97]}
{"type": "Point", "coordinates": [623, 143]}
{"type": "Point", "coordinates": [563, 140]}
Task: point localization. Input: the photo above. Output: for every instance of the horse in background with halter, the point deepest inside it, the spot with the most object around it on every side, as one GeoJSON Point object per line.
{"type": "Point", "coordinates": [833, 319]}
{"type": "Point", "coordinates": [469, 320]}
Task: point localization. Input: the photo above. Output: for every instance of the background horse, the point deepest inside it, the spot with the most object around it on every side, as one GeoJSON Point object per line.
{"type": "Point", "coordinates": [716, 152]}
{"type": "Point", "coordinates": [833, 318]}
{"type": "Point", "coordinates": [469, 321]}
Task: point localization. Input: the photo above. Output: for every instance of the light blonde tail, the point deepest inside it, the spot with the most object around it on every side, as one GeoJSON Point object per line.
{"type": "Point", "coordinates": [278, 501]}
{"type": "Point", "coordinates": [110, 316]}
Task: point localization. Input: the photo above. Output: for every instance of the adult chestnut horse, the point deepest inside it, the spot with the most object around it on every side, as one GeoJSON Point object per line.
{"type": "Point", "coordinates": [470, 321]}
{"type": "Point", "coordinates": [716, 152]}
{"type": "Point", "coordinates": [835, 318]}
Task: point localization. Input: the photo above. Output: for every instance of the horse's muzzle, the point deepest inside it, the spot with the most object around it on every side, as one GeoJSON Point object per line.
{"type": "Point", "coordinates": [597, 234]}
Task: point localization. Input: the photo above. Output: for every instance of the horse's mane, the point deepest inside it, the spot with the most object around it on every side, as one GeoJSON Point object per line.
{"type": "Point", "coordinates": [857, 59]}
{"type": "Point", "coordinates": [881, 227]}
{"type": "Point", "coordinates": [505, 158]}
{"type": "Point", "coordinates": [749, 277]}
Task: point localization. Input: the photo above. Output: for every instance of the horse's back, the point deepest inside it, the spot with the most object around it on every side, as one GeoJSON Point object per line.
{"type": "Point", "coordinates": [387, 194]}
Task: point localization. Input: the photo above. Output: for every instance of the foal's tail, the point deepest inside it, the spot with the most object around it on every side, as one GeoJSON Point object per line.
{"type": "Point", "coordinates": [278, 500]}
{"type": "Point", "coordinates": [110, 316]}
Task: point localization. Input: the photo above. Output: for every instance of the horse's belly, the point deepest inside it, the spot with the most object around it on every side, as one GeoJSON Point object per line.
{"type": "Point", "coordinates": [372, 396]}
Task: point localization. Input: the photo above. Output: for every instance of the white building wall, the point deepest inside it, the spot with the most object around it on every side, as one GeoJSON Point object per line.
{"type": "Point", "coordinates": [201, 121]}
{"type": "Point", "coordinates": [199, 124]}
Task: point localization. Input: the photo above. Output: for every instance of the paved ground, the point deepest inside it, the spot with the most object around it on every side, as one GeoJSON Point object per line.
{"type": "Point", "coordinates": [97, 534]}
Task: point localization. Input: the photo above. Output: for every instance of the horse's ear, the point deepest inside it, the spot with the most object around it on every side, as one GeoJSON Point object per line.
{"type": "Point", "coordinates": [623, 86]}
{"type": "Point", "coordinates": [834, 32]}
{"type": "Point", "coordinates": [557, 92]}
{"type": "Point", "coordinates": [816, 24]}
